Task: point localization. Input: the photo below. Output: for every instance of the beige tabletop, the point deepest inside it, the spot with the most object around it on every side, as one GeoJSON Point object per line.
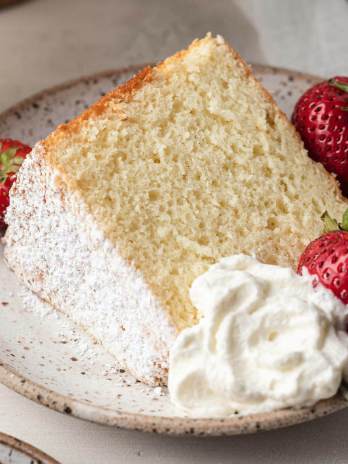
{"type": "Point", "coordinates": [45, 42]}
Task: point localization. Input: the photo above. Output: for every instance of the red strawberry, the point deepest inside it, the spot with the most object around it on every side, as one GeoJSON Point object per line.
{"type": "Point", "coordinates": [12, 153]}
{"type": "Point", "coordinates": [321, 118]}
{"type": "Point", "coordinates": [327, 257]}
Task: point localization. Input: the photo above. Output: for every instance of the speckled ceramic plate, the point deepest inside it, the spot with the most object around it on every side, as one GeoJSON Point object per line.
{"type": "Point", "coordinates": [44, 357]}
{"type": "Point", "coordinates": [14, 451]}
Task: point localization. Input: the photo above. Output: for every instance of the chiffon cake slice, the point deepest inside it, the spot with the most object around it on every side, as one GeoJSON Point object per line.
{"type": "Point", "coordinates": [114, 214]}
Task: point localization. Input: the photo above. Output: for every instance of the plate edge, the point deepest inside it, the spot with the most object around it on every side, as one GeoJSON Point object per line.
{"type": "Point", "coordinates": [177, 426]}
{"type": "Point", "coordinates": [25, 448]}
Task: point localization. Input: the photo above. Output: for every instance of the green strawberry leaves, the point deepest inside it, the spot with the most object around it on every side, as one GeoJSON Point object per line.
{"type": "Point", "coordinates": [9, 163]}
{"type": "Point", "coordinates": [344, 223]}
{"type": "Point", "coordinates": [330, 224]}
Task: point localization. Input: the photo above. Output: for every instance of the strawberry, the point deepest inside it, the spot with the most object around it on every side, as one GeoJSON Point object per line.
{"type": "Point", "coordinates": [12, 153]}
{"type": "Point", "coordinates": [327, 257]}
{"type": "Point", "coordinates": [321, 118]}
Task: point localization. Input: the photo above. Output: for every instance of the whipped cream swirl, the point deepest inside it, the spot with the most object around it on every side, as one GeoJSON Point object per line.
{"type": "Point", "coordinates": [267, 340]}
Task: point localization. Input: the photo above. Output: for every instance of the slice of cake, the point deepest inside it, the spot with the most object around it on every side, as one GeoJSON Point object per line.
{"type": "Point", "coordinates": [116, 213]}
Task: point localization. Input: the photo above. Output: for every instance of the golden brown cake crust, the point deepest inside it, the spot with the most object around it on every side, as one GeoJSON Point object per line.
{"type": "Point", "coordinates": [122, 93]}
{"type": "Point", "coordinates": [125, 92]}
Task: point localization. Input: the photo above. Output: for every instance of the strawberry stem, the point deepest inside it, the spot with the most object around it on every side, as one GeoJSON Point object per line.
{"type": "Point", "coordinates": [338, 85]}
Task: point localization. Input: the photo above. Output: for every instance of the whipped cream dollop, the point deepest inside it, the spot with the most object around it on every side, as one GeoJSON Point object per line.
{"type": "Point", "coordinates": [267, 340]}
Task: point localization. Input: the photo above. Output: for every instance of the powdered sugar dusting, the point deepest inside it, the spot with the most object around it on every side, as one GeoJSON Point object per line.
{"type": "Point", "coordinates": [59, 252]}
